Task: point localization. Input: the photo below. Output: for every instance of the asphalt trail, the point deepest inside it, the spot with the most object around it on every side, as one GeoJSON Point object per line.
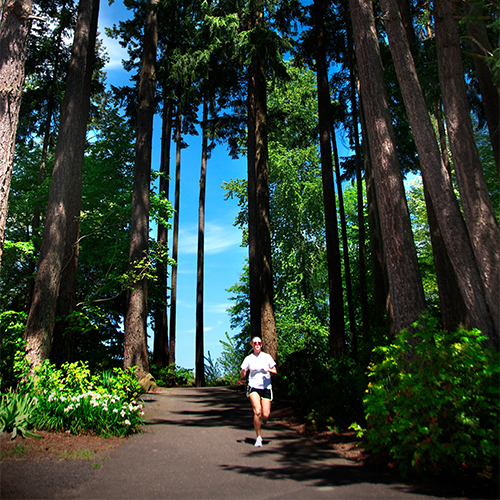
{"type": "Point", "coordinates": [198, 444]}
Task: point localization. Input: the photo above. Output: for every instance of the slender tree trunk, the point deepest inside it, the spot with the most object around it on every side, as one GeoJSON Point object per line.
{"type": "Point", "coordinates": [14, 29]}
{"type": "Point", "coordinates": [407, 294]}
{"type": "Point", "coordinates": [337, 328]}
{"type": "Point", "coordinates": [160, 353]}
{"type": "Point", "coordinates": [175, 243]}
{"type": "Point", "coordinates": [436, 178]}
{"type": "Point", "coordinates": [476, 204]}
{"type": "Point", "coordinates": [345, 247]}
{"type": "Point", "coordinates": [362, 283]}
{"type": "Point", "coordinates": [490, 93]}
{"type": "Point", "coordinates": [65, 190]}
{"type": "Point", "coordinates": [200, 358]}
{"type": "Point", "coordinates": [135, 342]}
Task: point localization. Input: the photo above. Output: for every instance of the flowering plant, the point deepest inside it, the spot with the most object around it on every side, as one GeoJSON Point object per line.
{"type": "Point", "coordinates": [71, 399]}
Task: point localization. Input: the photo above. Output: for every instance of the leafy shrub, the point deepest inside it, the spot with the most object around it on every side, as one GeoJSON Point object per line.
{"type": "Point", "coordinates": [437, 414]}
{"type": "Point", "coordinates": [72, 399]}
{"type": "Point", "coordinates": [16, 414]}
{"type": "Point", "coordinates": [172, 376]}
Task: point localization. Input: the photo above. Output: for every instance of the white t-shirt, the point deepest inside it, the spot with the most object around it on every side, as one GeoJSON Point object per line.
{"type": "Point", "coordinates": [258, 378]}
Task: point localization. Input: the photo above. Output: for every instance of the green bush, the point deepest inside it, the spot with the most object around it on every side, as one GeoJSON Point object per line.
{"type": "Point", "coordinates": [72, 399]}
{"type": "Point", "coordinates": [172, 376]}
{"type": "Point", "coordinates": [438, 413]}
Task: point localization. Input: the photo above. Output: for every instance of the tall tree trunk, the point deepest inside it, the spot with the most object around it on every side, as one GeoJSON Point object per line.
{"type": "Point", "coordinates": [362, 282]}
{"type": "Point", "coordinates": [382, 310]}
{"type": "Point", "coordinates": [160, 352]}
{"type": "Point", "coordinates": [14, 30]}
{"type": "Point", "coordinates": [135, 352]}
{"type": "Point", "coordinates": [381, 296]}
{"type": "Point", "coordinates": [65, 189]}
{"type": "Point", "coordinates": [442, 204]}
{"type": "Point", "coordinates": [337, 327]}
{"type": "Point", "coordinates": [35, 221]}
{"type": "Point", "coordinates": [200, 358]}
{"type": "Point", "coordinates": [345, 247]}
{"type": "Point", "coordinates": [407, 294]}
{"type": "Point", "coordinates": [262, 223]}
{"type": "Point", "coordinates": [490, 93]}
{"type": "Point", "coordinates": [175, 243]}
{"type": "Point", "coordinates": [253, 267]}
{"type": "Point", "coordinates": [476, 204]}
{"type": "Point", "coordinates": [453, 310]}
{"type": "Point", "coordinates": [65, 337]}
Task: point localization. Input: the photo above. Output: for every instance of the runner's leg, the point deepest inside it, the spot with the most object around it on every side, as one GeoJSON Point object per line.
{"type": "Point", "coordinates": [257, 411]}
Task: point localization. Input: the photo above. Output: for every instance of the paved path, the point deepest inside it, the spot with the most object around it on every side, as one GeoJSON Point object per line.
{"type": "Point", "coordinates": [199, 445]}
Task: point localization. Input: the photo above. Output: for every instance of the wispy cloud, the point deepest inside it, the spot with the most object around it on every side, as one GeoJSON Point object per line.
{"type": "Point", "coordinates": [218, 239]}
{"type": "Point", "coordinates": [217, 308]}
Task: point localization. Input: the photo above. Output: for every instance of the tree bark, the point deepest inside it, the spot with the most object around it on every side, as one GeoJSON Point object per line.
{"type": "Point", "coordinates": [337, 327]}
{"type": "Point", "coordinates": [175, 242]}
{"type": "Point", "coordinates": [490, 93]}
{"type": "Point", "coordinates": [253, 268]}
{"type": "Point", "coordinates": [381, 296]}
{"type": "Point", "coordinates": [160, 351]}
{"type": "Point", "coordinates": [437, 182]}
{"type": "Point", "coordinates": [362, 282]}
{"type": "Point", "coordinates": [135, 352]}
{"type": "Point", "coordinates": [478, 212]}
{"type": "Point", "coordinates": [262, 227]}
{"type": "Point", "coordinates": [345, 248]}
{"type": "Point", "coordinates": [14, 30]}
{"type": "Point", "coordinates": [406, 290]}
{"type": "Point", "coordinates": [65, 337]}
{"type": "Point", "coordinates": [65, 189]}
{"type": "Point", "coordinates": [200, 358]}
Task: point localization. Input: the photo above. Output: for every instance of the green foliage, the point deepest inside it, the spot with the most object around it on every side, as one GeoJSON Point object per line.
{"type": "Point", "coordinates": [16, 414]}
{"type": "Point", "coordinates": [172, 376]}
{"type": "Point", "coordinates": [439, 413]}
{"type": "Point", "coordinates": [233, 353]}
{"type": "Point", "coordinates": [213, 372]}
{"type": "Point", "coordinates": [12, 324]}
{"type": "Point", "coordinates": [72, 399]}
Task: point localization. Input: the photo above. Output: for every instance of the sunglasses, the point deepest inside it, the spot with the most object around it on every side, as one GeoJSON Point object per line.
{"type": "Point", "coordinates": [257, 343]}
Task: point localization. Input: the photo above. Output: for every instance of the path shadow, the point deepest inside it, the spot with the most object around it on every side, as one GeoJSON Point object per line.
{"type": "Point", "coordinates": [296, 457]}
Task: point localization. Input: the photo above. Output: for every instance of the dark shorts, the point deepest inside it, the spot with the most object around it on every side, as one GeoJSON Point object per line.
{"type": "Point", "coordinates": [263, 393]}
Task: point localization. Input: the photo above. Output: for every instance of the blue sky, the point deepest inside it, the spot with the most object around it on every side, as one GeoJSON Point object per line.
{"type": "Point", "coordinates": [224, 257]}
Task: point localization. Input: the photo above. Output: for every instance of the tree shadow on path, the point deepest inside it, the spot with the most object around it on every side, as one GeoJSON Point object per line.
{"type": "Point", "coordinates": [287, 455]}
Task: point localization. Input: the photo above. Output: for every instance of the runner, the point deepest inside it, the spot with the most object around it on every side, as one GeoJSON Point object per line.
{"type": "Point", "coordinates": [261, 366]}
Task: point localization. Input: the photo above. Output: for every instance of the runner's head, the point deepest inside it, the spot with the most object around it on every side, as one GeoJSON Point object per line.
{"type": "Point", "coordinates": [256, 344]}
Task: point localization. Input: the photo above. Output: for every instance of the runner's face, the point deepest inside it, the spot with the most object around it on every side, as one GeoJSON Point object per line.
{"type": "Point", "coordinates": [257, 345]}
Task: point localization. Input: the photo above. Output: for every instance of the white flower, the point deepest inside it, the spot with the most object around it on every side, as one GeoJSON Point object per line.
{"type": "Point", "coordinates": [115, 410]}
{"type": "Point", "coordinates": [122, 413]}
{"type": "Point", "coordinates": [127, 422]}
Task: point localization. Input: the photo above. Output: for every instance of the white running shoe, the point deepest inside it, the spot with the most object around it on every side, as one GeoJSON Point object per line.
{"type": "Point", "coordinates": [258, 442]}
